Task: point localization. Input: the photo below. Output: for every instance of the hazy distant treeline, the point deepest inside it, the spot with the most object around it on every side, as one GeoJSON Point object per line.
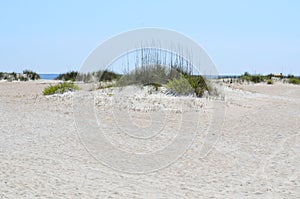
{"type": "Point", "coordinates": [89, 77]}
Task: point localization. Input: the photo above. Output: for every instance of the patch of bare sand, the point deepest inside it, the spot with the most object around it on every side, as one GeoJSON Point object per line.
{"type": "Point", "coordinates": [257, 153]}
{"type": "Point", "coordinates": [276, 89]}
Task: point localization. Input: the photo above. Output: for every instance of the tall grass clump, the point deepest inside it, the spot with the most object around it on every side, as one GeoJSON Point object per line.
{"type": "Point", "coordinates": [160, 68]}
{"type": "Point", "coordinates": [154, 67]}
{"type": "Point", "coordinates": [60, 88]}
{"type": "Point", "coordinates": [145, 75]}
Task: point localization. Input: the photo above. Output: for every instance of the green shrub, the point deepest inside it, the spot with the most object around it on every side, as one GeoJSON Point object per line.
{"type": "Point", "coordinates": [25, 76]}
{"type": "Point", "coordinates": [106, 75]}
{"type": "Point", "coordinates": [60, 88]}
{"type": "Point", "coordinates": [31, 75]}
{"type": "Point", "coordinates": [89, 77]}
{"type": "Point", "coordinates": [269, 81]}
{"type": "Point", "coordinates": [175, 79]}
{"type": "Point", "coordinates": [13, 76]}
{"type": "Point", "coordinates": [257, 78]}
{"type": "Point", "coordinates": [294, 80]}
{"type": "Point", "coordinates": [69, 76]}
{"type": "Point", "coordinates": [180, 85]}
{"type": "Point", "coordinates": [22, 78]}
{"type": "Point", "coordinates": [198, 84]}
{"type": "Point", "coordinates": [188, 84]}
{"type": "Point", "coordinates": [252, 78]}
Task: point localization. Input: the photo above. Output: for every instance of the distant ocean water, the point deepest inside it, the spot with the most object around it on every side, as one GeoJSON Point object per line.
{"type": "Point", "coordinates": [48, 76]}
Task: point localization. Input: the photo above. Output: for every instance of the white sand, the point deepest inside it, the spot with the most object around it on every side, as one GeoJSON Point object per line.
{"type": "Point", "coordinates": [257, 154]}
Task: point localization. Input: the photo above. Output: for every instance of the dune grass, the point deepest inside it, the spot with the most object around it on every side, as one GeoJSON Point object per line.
{"type": "Point", "coordinates": [177, 81]}
{"type": "Point", "coordinates": [294, 80]}
{"type": "Point", "coordinates": [180, 85]}
{"type": "Point", "coordinates": [69, 76]}
{"type": "Point", "coordinates": [253, 78]}
{"type": "Point", "coordinates": [105, 75]}
{"type": "Point", "coordinates": [60, 88]}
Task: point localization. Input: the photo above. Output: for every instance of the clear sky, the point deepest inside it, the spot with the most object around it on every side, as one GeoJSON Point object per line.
{"type": "Point", "coordinates": [258, 36]}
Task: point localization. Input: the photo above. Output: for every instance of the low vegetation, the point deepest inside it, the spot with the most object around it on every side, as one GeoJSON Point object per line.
{"type": "Point", "coordinates": [253, 78]}
{"type": "Point", "coordinates": [180, 86]}
{"type": "Point", "coordinates": [199, 85]}
{"type": "Point", "coordinates": [188, 84]}
{"type": "Point", "coordinates": [89, 77]}
{"type": "Point", "coordinates": [107, 86]}
{"type": "Point", "coordinates": [60, 88]}
{"type": "Point", "coordinates": [69, 76]}
{"type": "Point", "coordinates": [146, 75]}
{"type": "Point", "coordinates": [107, 75]}
{"type": "Point", "coordinates": [160, 68]}
{"type": "Point", "coordinates": [294, 80]}
{"type": "Point", "coordinates": [176, 80]}
{"type": "Point", "coordinates": [268, 78]}
{"type": "Point", "coordinates": [31, 75]}
{"type": "Point", "coordinates": [25, 76]}
{"type": "Point", "coordinates": [269, 81]}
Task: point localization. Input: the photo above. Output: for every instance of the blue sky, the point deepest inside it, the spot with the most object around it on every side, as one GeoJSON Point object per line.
{"type": "Point", "coordinates": [56, 36]}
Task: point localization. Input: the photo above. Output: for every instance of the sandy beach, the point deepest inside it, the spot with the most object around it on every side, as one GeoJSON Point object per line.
{"type": "Point", "coordinates": [257, 153]}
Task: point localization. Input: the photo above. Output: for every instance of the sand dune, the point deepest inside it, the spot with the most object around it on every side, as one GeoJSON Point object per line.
{"type": "Point", "coordinates": [257, 153]}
